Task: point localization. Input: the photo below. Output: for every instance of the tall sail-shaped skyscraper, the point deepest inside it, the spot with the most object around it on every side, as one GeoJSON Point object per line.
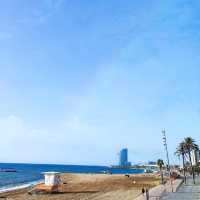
{"type": "Point", "coordinates": [123, 157]}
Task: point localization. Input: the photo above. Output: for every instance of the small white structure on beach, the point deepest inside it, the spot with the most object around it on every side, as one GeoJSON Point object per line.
{"type": "Point", "coordinates": [195, 157]}
{"type": "Point", "coordinates": [52, 178]}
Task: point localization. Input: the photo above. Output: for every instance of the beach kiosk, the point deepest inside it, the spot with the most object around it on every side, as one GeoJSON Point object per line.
{"type": "Point", "coordinates": [51, 184]}
{"type": "Point", "coordinates": [51, 178]}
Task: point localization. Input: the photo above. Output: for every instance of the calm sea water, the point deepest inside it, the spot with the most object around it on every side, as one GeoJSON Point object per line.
{"type": "Point", "coordinates": [27, 173]}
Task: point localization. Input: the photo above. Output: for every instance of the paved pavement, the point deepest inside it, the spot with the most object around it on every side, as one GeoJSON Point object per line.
{"type": "Point", "coordinates": [186, 192]}
{"type": "Point", "coordinates": [157, 192]}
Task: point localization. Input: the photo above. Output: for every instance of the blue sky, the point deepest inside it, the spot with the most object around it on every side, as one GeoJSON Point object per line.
{"type": "Point", "coordinates": [81, 79]}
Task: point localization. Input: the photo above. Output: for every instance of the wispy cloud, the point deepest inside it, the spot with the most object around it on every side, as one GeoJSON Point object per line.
{"type": "Point", "coordinates": [39, 15]}
{"type": "Point", "coordinates": [6, 35]}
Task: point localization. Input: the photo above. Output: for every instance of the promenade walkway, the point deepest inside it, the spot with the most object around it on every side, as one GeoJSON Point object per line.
{"type": "Point", "coordinates": [186, 192]}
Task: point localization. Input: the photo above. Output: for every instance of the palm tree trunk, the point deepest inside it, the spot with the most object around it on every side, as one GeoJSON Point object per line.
{"type": "Point", "coordinates": [161, 176]}
{"type": "Point", "coordinates": [193, 176]}
{"type": "Point", "coordinates": [183, 157]}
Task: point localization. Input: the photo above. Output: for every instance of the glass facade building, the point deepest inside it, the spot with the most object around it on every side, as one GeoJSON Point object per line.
{"type": "Point", "coordinates": [123, 158]}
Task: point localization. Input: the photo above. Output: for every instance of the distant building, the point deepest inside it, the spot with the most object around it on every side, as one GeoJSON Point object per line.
{"type": "Point", "coordinates": [195, 156]}
{"type": "Point", "coordinates": [123, 158]}
{"type": "Point", "coordinates": [152, 163]}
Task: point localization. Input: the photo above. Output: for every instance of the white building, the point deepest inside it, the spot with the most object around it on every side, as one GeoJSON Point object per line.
{"type": "Point", "coordinates": [195, 156]}
{"type": "Point", "coordinates": [52, 178]}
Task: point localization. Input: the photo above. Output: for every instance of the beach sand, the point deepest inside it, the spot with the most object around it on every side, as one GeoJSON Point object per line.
{"type": "Point", "coordinates": [92, 187]}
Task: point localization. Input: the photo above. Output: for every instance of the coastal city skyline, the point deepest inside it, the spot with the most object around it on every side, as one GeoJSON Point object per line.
{"type": "Point", "coordinates": [99, 100]}
{"type": "Point", "coordinates": [79, 80]}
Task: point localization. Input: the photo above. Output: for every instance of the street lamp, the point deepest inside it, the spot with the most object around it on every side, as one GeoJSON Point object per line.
{"type": "Point", "coordinates": [166, 149]}
{"type": "Point", "coordinates": [167, 155]}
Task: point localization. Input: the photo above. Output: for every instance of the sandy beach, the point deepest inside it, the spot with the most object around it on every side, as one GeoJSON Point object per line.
{"type": "Point", "coordinates": [91, 186]}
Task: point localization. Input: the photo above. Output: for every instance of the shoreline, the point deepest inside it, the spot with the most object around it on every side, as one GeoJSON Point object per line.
{"type": "Point", "coordinates": [11, 188]}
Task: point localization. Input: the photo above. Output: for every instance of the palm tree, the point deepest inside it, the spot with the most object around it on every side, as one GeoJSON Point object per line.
{"type": "Point", "coordinates": [181, 151]}
{"type": "Point", "coordinates": [190, 146]}
{"type": "Point", "coordinates": [160, 164]}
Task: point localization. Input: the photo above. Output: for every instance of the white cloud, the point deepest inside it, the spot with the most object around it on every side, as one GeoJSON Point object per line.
{"type": "Point", "coordinates": [5, 35]}
{"type": "Point", "coordinates": [75, 124]}
{"type": "Point", "coordinates": [65, 144]}
{"type": "Point", "coordinates": [39, 15]}
{"type": "Point", "coordinates": [19, 142]}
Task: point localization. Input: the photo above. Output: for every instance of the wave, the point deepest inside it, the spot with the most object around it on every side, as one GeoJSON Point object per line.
{"type": "Point", "coordinates": [10, 188]}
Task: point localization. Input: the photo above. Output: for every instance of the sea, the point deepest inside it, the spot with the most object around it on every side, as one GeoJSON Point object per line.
{"type": "Point", "coordinates": [28, 174]}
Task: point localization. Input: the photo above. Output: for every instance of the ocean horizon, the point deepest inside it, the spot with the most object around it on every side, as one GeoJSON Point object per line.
{"type": "Point", "coordinates": [30, 173]}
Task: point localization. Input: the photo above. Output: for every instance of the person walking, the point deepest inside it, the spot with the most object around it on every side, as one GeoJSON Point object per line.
{"type": "Point", "coordinates": [147, 194]}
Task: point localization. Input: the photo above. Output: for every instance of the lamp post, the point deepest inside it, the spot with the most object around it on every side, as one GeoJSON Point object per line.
{"type": "Point", "coordinates": [167, 155]}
